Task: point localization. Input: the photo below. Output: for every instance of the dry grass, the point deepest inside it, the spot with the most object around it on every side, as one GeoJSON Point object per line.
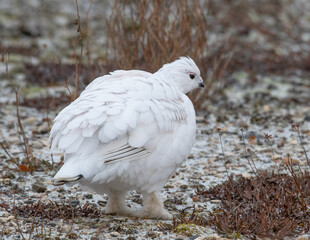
{"type": "Point", "coordinates": [266, 205]}
{"type": "Point", "coordinates": [146, 34]}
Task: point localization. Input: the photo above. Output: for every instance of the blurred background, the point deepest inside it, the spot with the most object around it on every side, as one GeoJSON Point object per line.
{"type": "Point", "coordinates": [55, 43]}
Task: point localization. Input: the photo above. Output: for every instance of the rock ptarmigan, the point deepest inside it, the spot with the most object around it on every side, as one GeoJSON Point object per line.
{"type": "Point", "coordinates": [129, 130]}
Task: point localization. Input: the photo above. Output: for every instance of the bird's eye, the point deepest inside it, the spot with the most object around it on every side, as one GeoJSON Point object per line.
{"type": "Point", "coordinates": [192, 76]}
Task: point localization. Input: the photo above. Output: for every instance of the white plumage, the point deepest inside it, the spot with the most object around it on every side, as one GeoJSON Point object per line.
{"type": "Point", "coordinates": [129, 130]}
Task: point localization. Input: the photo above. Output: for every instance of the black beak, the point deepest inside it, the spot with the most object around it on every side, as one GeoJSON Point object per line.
{"type": "Point", "coordinates": [201, 84]}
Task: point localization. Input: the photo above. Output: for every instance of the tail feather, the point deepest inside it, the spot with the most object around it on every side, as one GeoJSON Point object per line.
{"type": "Point", "coordinates": [62, 181]}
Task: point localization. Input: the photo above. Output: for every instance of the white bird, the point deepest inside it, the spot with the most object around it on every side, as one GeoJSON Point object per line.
{"type": "Point", "coordinates": [129, 130]}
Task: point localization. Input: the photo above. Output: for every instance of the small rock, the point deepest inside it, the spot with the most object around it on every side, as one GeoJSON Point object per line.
{"type": "Point", "coordinates": [43, 128]}
{"type": "Point", "coordinates": [6, 219]}
{"type": "Point", "coordinates": [212, 237]}
{"type": "Point", "coordinates": [221, 169]}
{"type": "Point", "coordinates": [196, 199]}
{"type": "Point", "coordinates": [9, 175]}
{"type": "Point", "coordinates": [266, 108]}
{"type": "Point", "coordinates": [94, 238]}
{"type": "Point", "coordinates": [289, 161]}
{"type": "Point", "coordinates": [195, 237]}
{"type": "Point", "coordinates": [168, 185]}
{"type": "Point", "coordinates": [293, 141]}
{"type": "Point", "coordinates": [74, 203]}
{"type": "Point", "coordinates": [242, 124]}
{"type": "Point", "coordinates": [215, 201]}
{"type": "Point", "coordinates": [307, 118]}
{"type": "Point", "coordinates": [219, 175]}
{"type": "Point", "coordinates": [246, 175]}
{"type": "Point", "coordinates": [190, 156]}
{"type": "Point", "coordinates": [115, 234]}
{"type": "Point", "coordinates": [102, 203]}
{"type": "Point", "coordinates": [281, 142]}
{"type": "Point", "coordinates": [200, 119]}
{"type": "Point", "coordinates": [183, 186]}
{"type": "Point", "coordinates": [5, 181]}
{"type": "Point", "coordinates": [29, 121]}
{"type": "Point", "coordinates": [38, 187]}
{"type": "Point", "coordinates": [88, 196]}
{"type": "Point", "coordinates": [276, 157]}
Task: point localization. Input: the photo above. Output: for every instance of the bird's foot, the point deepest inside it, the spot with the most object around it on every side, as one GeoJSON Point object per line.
{"type": "Point", "coordinates": [125, 211]}
{"type": "Point", "coordinates": [149, 214]}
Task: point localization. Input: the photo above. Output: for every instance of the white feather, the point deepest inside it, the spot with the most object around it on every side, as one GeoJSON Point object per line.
{"type": "Point", "coordinates": [128, 129]}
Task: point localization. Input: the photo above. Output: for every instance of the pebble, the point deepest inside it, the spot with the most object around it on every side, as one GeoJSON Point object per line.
{"type": "Point", "coordinates": [43, 128]}
{"type": "Point", "coordinates": [293, 141]}
{"type": "Point", "coordinates": [74, 203]}
{"type": "Point", "coordinates": [212, 237]}
{"type": "Point", "coordinates": [266, 108]}
{"type": "Point", "coordinates": [276, 157]}
{"type": "Point", "coordinates": [115, 234]}
{"type": "Point", "coordinates": [215, 201]}
{"type": "Point", "coordinates": [29, 121]}
{"type": "Point", "coordinates": [5, 181]}
{"type": "Point", "coordinates": [168, 185]}
{"type": "Point", "coordinates": [281, 142]}
{"type": "Point", "coordinates": [242, 124]}
{"type": "Point", "coordinates": [195, 237]}
{"type": "Point", "coordinates": [196, 199]}
{"type": "Point", "coordinates": [183, 186]}
{"type": "Point", "coordinates": [246, 175]}
{"type": "Point", "coordinates": [88, 196]}
{"type": "Point", "coordinates": [221, 169]}
{"type": "Point", "coordinates": [219, 175]}
{"type": "Point", "coordinates": [38, 187]}
{"type": "Point", "coordinates": [102, 203]}
{"type": "Point", "coordinates": [307, 118]}
{"type": "Point", "coordinates": [6, 219]}
{"type": "Point", "coordinates": [289, 161]}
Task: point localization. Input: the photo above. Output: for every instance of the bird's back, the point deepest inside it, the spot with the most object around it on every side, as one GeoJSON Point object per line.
{"type": "Point", "coordinates": [128, 129]}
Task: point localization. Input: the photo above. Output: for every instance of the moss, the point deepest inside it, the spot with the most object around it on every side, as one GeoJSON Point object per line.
{"type": "Point", "coordinates": [235, 235]}
{"type": "Point", "coordinates": [187, 229]}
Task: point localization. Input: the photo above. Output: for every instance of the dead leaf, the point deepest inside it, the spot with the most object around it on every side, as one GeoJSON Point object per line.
{"type": "Point", "coordinates": [24, 168]}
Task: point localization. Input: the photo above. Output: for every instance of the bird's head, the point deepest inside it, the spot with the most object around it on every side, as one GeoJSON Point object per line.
{"type": "Point", "coordinates": [183, 73]}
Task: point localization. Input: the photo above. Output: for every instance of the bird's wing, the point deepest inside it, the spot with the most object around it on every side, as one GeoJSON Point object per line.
{"type": "Point", "coordinates": [118, 116]}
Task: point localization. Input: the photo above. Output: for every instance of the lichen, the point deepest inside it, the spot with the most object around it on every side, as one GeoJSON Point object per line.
{"type": "Point", "coordinates": [187, 229]}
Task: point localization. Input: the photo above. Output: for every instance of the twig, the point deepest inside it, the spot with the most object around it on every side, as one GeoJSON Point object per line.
{"type": "Point", "coordinates": [9, 155]}
{"type": "Point", "coordinates": [34, 216]}
{"type": "Point", "coordinates": [224, 156]}
{"type": "Point", "coordinates": [16, 220]}
{"type": "Point", "coordinates": [267, 140]}
{"type": "Point", "coordinates": [245, 151]}
{"type": "Point", "coordinates": [78, 60]}
{"type": "Point", "coordinates": [295, 127]}
{"type": "Point", "coordinates": [28, 152]}
{"type": "Point", "coordinates": [71, 224]}
{"type": "Point", "coordinates": [250, 153]}
{"type": "Point", "coordinates": [289, 166]}
{"type": "Point", "coordinates": [87, 37]}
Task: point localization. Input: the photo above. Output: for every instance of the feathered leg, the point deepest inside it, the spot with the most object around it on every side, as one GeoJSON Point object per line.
{"type": "Point", "coordinates": [117, 204]}
{"type": "Point", "coordinates": [153, 207]}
